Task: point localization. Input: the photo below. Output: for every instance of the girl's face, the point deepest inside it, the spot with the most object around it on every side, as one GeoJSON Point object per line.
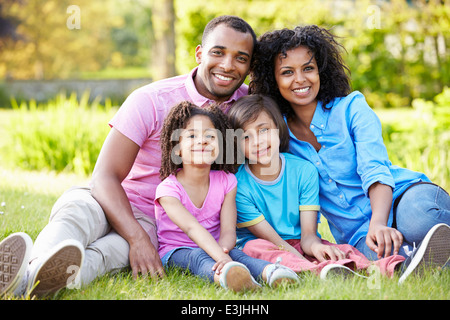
{"type": "Point", "coordinates": [261, 141]}
{"type": "Point", "coordinates": [199, 141]}
{"type": "Point", "coordinates": [297, 77]}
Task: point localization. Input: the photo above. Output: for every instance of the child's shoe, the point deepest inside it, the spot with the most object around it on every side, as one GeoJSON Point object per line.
{"type": "Point", "coordinates": [277, 273]}
{"type": "Point", "coordinates": [15, 252]}
{"type": "Point", "coordinates": [237, 277]}
{"type": "Point", "coordinates": [338, 271]}
{"type": "Point", "coordinates": [433, 251]}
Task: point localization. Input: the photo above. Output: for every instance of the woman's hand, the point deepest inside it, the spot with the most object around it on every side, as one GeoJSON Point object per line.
{"type": "Point", "coordinates": [380, 239]}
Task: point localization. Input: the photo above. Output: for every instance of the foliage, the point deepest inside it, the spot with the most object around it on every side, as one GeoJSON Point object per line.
{"type": "Point", "coordinates": [397, 50]}
{"type": "Point", "coordinates": [419, 139]}
{"type": "Point", "coordinates": [63, 135]}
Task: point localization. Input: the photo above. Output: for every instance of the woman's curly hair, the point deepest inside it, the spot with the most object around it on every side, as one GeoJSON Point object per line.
{"type": "Point", "coordinates": [333, 73]}
{"type": "Point", "coordinates": [177, 119]}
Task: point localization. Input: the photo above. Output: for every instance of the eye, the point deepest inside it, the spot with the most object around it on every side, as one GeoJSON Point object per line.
{"type": "Point", "coordinates": [242, 59]}
{"type": "Point", "coordinates": [287, 72]}
{"type": "Point", "coordinates": [263, 130]}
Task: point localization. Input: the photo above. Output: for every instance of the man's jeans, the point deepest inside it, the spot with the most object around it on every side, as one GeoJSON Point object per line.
{"type": "Point", "coordinates": [421, 207]}
{"type": "Point", "coordinates": [200, 263]}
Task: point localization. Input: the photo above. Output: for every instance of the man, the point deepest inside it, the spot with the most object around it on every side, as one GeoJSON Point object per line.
{"type": "Point", "coordinates": [111, 224]}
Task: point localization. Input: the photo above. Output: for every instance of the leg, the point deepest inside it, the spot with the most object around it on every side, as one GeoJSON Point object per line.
{"type": "Point", "coordinates": [421, 207]}
{"type": "Point", "coordinates": [110, 253]}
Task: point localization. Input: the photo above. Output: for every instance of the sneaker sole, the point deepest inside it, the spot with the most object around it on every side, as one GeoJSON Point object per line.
{"type": "Point", "coordinates": [239, 279]}
{"type": "Point", "coordinates": [58, 270]}
{"type": "Point", "coordinates": [15, 253]}
{"type": "Point", "coordinates": [338, 271]}
{"type": "Point", "coordinates": [433, 252]}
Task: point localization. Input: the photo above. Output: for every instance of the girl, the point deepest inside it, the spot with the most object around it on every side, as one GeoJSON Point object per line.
{"type": "Point", "coordinates": [195, 203]}
{"type": "Point", "coordinates": [278, 196]}
{"type": "Point", "coordinates": [377, 207]}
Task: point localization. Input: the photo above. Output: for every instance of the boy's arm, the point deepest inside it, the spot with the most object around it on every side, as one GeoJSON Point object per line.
{"type": "Point", "coordinates": [311, 243]}
{"type": "Point", "coordinates": [264, 230]}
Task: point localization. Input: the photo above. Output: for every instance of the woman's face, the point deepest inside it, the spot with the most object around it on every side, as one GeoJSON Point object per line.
{"type": "Point", "coordinates": [297, 77]}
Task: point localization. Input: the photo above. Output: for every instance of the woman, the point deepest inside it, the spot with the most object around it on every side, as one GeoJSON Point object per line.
{"type": "Point", "coordinates": [369, 203]}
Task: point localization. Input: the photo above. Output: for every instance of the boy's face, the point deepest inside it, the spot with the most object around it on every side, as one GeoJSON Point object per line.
{"type": "Point", "coordinates": [224, 62]}
{"type": "Point", "coordinates": [260, 141]}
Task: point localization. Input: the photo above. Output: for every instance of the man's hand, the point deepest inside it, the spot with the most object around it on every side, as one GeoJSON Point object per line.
{"type": "Point", "coordinates": [144, 259]}
{"type": "Point", "coordinates": [380, 239]}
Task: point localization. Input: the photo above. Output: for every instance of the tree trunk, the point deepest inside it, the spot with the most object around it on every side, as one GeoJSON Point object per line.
{"type": "Point", "coordinates": [163, 59]}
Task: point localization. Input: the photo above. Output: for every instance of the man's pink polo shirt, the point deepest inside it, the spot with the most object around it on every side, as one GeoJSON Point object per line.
{"type": "Point", "coordinates": [140, 118]}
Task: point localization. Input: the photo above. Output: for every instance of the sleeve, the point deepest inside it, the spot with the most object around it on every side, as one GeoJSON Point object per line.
{"type": "Point", "coordinates": [167, 188]}
{"type": "Point", "coordinates": [136, 117]}
{"type": "Point", "coordinates": [371, 154]}
{"type": "Point", "coordinates": [309, 189]}
{"type": "Point", "coordinates": [247, 212]}
{"type": "Point", "coordinates": [231, 182]}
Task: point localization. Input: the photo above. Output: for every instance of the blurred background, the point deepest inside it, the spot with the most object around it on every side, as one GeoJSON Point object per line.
{"type": "Point", "coordinates": [66, 65]}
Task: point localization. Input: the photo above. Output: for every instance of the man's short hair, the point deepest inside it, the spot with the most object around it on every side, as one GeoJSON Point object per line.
{"type": "Point", "coordinates": [233, 22]}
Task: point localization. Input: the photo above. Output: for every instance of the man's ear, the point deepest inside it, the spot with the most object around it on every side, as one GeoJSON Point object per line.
{"type": "Point", "coordinates": [198, 54]}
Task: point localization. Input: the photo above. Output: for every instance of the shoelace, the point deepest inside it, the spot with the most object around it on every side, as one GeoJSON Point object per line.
{"type": "Point", "coordinates": [408, 252]}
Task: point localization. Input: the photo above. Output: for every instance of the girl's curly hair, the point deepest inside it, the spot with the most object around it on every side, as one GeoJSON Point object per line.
{"type": "Point", "coordinates": [178, 118]}
{"type": "Point", "coordinates": [334, 74]}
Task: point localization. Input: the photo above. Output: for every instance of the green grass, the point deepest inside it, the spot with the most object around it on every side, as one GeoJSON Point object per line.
{"type": "Point", "coordinates": [29, 196]}
{"type": "Point", "coordinates": [416, 138]}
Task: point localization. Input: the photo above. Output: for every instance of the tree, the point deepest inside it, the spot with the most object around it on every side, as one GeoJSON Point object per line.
{"type": "Point", "coordinates": [163, 18]}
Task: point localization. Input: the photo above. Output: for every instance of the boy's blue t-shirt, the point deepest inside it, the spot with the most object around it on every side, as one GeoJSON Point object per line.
{"type": "Point", "coordinates": [279, 202]}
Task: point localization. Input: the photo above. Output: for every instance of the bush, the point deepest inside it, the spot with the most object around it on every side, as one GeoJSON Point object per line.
{"type": "Point", "coordinates": [420, 139]}
{"type": "Point", "coordinates": [66, 134]}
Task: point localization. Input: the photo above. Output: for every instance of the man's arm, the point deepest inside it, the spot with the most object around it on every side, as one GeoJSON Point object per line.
{"type": "Point", "coordinates": [113, 165]}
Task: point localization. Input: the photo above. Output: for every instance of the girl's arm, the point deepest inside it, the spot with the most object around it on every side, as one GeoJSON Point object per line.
{"type": "Point", "coordinates": [264, 230]}
{"type": "Point", "coordinates": [311, 243]}
{"type": "Point", "coordinates": [228, 215]}
{"type": "Point", "coordinates": [194, 230]}
{"type": "Point", "coordinates": [380, 237]}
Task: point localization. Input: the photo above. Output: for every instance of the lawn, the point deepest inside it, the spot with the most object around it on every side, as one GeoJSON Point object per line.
{"type": "Point", "coordinates": [26, 200]}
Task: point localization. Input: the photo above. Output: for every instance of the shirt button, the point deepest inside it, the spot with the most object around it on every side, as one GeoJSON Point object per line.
{"type": "Point", "coordinates": [341, 196]}
{"type": "Point", "coordinates": [321, 126]}
{"type": "Point", "coordinates": [312, 126]}
{"type": "Point", "coordinates": [330, 181]}
{"type": "Point", "coordinates": [318, 163]}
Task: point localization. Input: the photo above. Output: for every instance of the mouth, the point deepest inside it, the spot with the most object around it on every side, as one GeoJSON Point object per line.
{"type": "Point", "coordinates": [223, 78]}
{"type": "Point", "coordinates": [301, 90]}
{"type": "Point", "coordinates": [262, 152]}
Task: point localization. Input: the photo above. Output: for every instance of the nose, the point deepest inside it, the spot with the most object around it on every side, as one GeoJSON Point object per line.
{"type": "Point", "coordinates": [299, 77]}
{"type": "Point", "coordinates": [227, 63]}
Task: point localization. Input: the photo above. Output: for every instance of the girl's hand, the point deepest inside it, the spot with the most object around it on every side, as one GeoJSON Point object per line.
{"type": "Point", "coordinates": [217, 267]}
{"type": "Point", "coordinates": [380, 239]}
{"type": "Point", "coordinates": [323, 252]}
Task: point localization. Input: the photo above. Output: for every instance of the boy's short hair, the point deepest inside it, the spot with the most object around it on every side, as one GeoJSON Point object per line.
{"type": "Point", "coordinates": [248, 108]}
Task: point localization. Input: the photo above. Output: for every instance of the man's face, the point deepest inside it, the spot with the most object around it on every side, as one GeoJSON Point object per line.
{"type": "Point", "coordinates": [224, 62]}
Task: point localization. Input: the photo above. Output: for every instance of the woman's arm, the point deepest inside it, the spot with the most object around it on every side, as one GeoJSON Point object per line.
{"type": "Point", "coordinates": [194, 230]}
{"type": "Point", "coordinates": [311, 243]}
{"type": "Point", "coordinates": [380, 237]}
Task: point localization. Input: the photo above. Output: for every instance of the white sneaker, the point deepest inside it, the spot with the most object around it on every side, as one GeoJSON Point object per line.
{"type": "Point", "coordinates": [433, 251]}
{"type": "Point", "coordinates": [338, 271]}
{"type": "Point", "coordinates": [277, 273]}
{"type": "Point", "coordinates": [15, 253]}
{"type": "Point", "coordinates": [236, 276]}
{"type": "Point", "coordinates": [55, 270]}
